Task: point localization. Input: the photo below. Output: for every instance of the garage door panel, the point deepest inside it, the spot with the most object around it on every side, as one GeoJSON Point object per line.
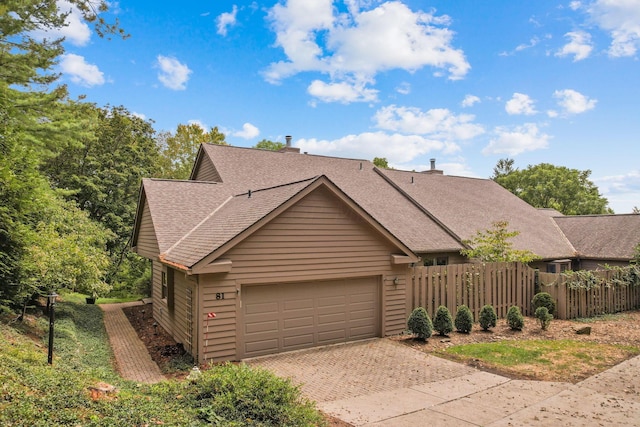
{"type": "Point", "coordinates": [283, 317]}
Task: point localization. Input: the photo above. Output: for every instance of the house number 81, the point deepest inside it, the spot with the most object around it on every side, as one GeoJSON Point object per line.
{"type": "Point", "coordinates": [220, 295]}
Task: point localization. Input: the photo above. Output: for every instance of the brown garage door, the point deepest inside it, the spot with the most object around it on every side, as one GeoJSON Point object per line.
{"type": "Point", "coordinates": [292, 316]}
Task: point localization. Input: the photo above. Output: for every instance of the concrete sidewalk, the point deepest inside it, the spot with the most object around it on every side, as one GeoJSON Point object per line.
{"type": "Point", "coordinates": [384, 383]}
{"type": "Point", "coordinates": [132, 358]}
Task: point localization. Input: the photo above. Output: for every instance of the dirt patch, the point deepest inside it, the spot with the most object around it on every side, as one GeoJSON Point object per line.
{"type": "Point", "coordinates": [621, 329]}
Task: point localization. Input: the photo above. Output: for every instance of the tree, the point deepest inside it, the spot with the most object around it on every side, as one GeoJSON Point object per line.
{"type": "Point", "coordinates": [265, 144]}
{"type": "Point", "coordinates": [178, 151]}
{"type": "Point", "coordinates": [569, 191]}
{"type": "Point", "coordinates": [493, 245]}
{"type": "Point", "coordinates": [381, 162]}
{"type": "Point", "coordinates": [35, 118]}
{"type": "Point", "coordinates": [103, 174]}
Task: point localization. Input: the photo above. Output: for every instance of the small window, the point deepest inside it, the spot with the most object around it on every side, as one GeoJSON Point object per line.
{"type": "Point", "coordinates": [551, 268]}
{"type": "Point", "coordinates": [442, 260]}
{"type": "Point", "coordinates": [164, 285]}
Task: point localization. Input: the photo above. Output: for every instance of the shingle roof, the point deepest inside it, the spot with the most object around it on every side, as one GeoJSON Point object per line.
{"type": "Point", "coordinates": [233, 216]}
{"type": "Point", "coordinates": [245, 169]}
{"type": "Point", "coordinates": [178, 206]}
{"type": "Point", "coordinates": [468, 205]}
{"type": "Point", "coordinates": [604, 237]}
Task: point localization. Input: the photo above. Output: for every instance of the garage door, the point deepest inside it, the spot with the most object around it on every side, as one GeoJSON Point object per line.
{"type": "Point", "coordinates": [292, 316]}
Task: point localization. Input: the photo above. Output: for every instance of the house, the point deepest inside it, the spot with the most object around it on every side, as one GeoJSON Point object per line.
{"type": "Point", "coordinates": [261, 252]}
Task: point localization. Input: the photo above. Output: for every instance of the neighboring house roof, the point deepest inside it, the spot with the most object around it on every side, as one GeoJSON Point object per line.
{"type": "Point", "coordinates": [244, 169]}
{"type": "Point", "coordinates": [468, 205]}
{"type": "Point", "coordinates": [606, 237]}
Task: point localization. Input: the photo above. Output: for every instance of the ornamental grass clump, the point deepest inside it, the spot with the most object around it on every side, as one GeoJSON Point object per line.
{"type": "Point", "coordinates": [488, 318]}
{"type": "Point", "coordinates": [419, 323]}
{"type": "Point", "coordinates": [543, 299]}
{"type": "Point", "coordinates": [515, 319]}
{"type": "Point", "coordinates": [443, 323]}
{"type": "Point", "coordinates": [464, 319]}
{"type": "Point", "coordinates": [543, 315]}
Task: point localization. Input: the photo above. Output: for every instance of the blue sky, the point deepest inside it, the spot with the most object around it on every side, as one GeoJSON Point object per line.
{"type": "Point", "coordinates": [466, 82]}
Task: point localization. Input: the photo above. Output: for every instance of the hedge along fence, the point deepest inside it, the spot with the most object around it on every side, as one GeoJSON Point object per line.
{"type": "Point", "coordinates": [587, 293]}
{"type": "Point", "coordinates": [500, 284]}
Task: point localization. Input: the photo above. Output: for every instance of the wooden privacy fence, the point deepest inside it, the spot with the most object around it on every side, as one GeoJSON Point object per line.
{"type": "Point", "coordinates": [500, 284]}
{"type": "Point", "coordinates": [602, 298]}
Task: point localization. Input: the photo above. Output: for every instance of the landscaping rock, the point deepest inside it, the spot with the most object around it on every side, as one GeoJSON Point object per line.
{"type": "Point", "coordinates": [584, 331]}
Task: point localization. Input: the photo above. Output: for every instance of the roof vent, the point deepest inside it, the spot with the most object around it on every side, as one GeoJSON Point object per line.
{"type": "Point", "coordinates": [288, 148]}
{"type": "Point", "coordinates": [433, 169]}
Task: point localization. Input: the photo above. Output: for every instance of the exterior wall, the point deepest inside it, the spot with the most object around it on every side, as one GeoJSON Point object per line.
{"type": "Point", "coordinates": [147, 245]}
{"type": "Point", "coordinates": [320, 238]}
{"type": "Point", "coordinates": [452, 257]}
{"type": "Point", "coordinates": [598, 264]}
{"type": "Point", "coordinates": [206, 171]}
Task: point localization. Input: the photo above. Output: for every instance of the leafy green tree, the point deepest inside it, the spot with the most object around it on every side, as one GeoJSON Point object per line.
{"type": "Point", "coordinates": [265, 144]}
{"type": "Point", "coordinates": [102, 176]}
{"type": "Point", "coordinates": [178, 151]}
{"type": "Point", "coordinates": [493, 245]}
{"type": "Point", "coordinates": [35, 118]}
{"type": "Point", "coordinates": [381, 162]}
{"type": "Point", "coordinates": [569, 191]}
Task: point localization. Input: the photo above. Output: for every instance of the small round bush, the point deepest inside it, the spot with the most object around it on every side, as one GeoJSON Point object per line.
{"type": "Point", "coordinates": [419, 323]}
{"type": "Point", "coordinates": [543, 315]}
{"type": "Point", "coordinates": [543, 299]}
{"type": "Point", "coordinates": [515, 319]}
{"type": "Point", "coordinates": [443, 323]}
{"type": "Point", "coordinates": [488, 318]}
{"type": "Point", "coordinates": [464, 319]}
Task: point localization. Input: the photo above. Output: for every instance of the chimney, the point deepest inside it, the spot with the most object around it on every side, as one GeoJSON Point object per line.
{"type": "Point", "coordinates": [288, 148]}
{"type": "Point", "coordinates": [433, 169]}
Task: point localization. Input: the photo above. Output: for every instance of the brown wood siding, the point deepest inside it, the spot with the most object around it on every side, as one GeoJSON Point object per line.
{"type": "Point", "coordinates": [206, 171]}
{"type": "Point", "coordinates": [147, 244]}
{"type": "Point", "coordinates": [160, 310]}
{"type": "Point", "coordinates": [319, 238]}
{"type": "Point", "coordinates": [179, 313]}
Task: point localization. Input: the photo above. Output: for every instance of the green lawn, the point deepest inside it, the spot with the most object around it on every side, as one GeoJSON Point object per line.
{"type": "Point", "coordinates": [32, 393]}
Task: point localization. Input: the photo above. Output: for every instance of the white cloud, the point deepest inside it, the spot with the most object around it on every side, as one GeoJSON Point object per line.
{"type": "Point", "coordinates": [579, 45]}
{"type": "Point", "coordinates": [438, 123]}
{"type": "Point", "coordinates": [517, 140]}
{"type": "Point", "coordinates": [81, 72]}
{"type": "Point", "coordinates": [622, 191]}
{"type": "Point", "coordinates": [575, 5]}
{"type": "Point", "coordinates": [173, 74]}
{"type": "Point", "coordinates": [139, 115]}
{"type": "Point", "coordinates": [202, 125]}
{"type": "Point", "coordinates": [356, 45]}
{"type": "Point", "coordinates": [226, 20]}
{"type": "Point", "coordinates": [76, 32]}
{"type": "Point", "coordinates": [343, 92]}
{"type": "Point", "coordinates": [404, 88]}
{"type": "Point", "coordinates": [621, 18]}
{"type": "Point", "coordinates": [574, 102]}
{"type": "Point", "coordinates": [396, 148]}
{"type": "Point", "coordinates": [469, 100]}
{"type": "Point", "coordinates": [533, 42]}
{"type": "Point", "coordinates": [520, 104]}
{"type": "Point", "coordinates": [248, 131]}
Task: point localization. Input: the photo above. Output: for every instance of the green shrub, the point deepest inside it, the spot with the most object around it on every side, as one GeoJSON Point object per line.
{"type": "Point", "coordinates": [515, 319]}
{"type": "Point", "coordinates": [232, 394]}
{"type": "Point", "coordinates": [419, 323]}
{"type": "Point", "coordinates": [543, 299]}
{"type": "Point", "coordinates": [464, 319]}
{"type": "Point", "coordinates": [543, 315]}
{"type": "Point", "coordinates": [488, 318]}
{"type": "Point", "coordinates": [443, 323]}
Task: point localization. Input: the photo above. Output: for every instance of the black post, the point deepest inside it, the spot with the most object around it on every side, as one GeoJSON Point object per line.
{"type": "Point", "coordinates": [52, 304]}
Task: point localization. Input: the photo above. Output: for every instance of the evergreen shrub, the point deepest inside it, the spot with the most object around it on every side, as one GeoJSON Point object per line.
{"type": "Point", "coordinates": [515, 319]}
{"type": "Point", "coordinates": [464, 319]}
{"type": "Point", "coordinates": [543, 315]}
{"type": "Point", "coordinates": [543, 299]}
{"type": "Point", "coordinates": [488, 318]}
{"type": "Point", "coordinates": [443, 323]}
{"type": "Point", "coordinates": [419, 323]}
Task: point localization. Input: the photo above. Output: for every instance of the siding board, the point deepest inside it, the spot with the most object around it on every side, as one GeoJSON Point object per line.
{"type": "Point", "coordinates": [147, 244]}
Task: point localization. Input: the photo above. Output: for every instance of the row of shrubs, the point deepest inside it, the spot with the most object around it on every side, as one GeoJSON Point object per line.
{"type": "Point", "coordinates": [420, 324]}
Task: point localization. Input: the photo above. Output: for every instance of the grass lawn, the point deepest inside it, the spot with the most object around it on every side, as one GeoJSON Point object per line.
{"type": "Point", "coordinates": [33, 393]}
